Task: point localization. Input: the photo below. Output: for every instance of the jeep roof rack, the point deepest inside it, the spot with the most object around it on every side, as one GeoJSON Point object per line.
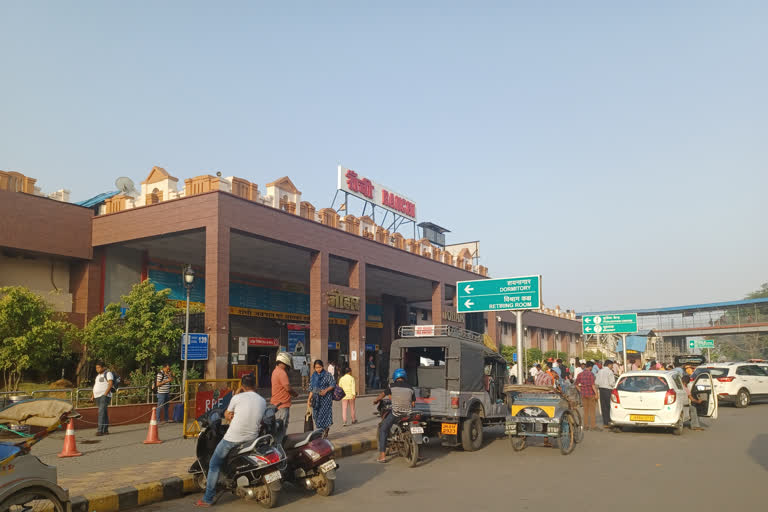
{"type": "Point", "coordinates": [428, 331]}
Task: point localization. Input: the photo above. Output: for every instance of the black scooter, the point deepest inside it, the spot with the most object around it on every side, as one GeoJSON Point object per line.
{"type": "Point", "coordinates": [310, 457]}
{"type": "Point", "coordinates": [253, 469]}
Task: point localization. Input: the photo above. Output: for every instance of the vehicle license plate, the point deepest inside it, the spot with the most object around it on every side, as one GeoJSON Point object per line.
{"type": "Point", "coordinates": [417, 430]}
{"type": "Point", "coordinates": [328, 466]}
{"type": "Point", "coordinates": [450, 429]}
{"type": "Point", "coordinates": [640, 417]}
{"type": "Point", "coordinates": [272, 477]}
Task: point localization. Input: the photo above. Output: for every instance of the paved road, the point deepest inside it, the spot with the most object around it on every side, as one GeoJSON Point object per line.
{"type": "Point", "coordinates": [723, 468]}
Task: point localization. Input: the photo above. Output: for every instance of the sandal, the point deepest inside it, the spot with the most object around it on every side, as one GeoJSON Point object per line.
{"type": "Point", "coordinates": [203, 504]}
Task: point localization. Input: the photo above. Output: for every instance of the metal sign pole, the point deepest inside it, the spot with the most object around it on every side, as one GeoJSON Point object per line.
{"type": "Point", "coordinates": [519, 336]}
{"type": "Point", "coordinates": [186, 348]}
{"type": "Point", "coordinates": [624, 347]}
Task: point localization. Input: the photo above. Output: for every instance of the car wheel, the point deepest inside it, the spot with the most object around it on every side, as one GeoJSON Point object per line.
{"type": "Point", "coordinates": [742, 398]}
{"type": "Point", "coordinates": [472, 433]}
{"type": "Point", "coordinates": [678, 428]}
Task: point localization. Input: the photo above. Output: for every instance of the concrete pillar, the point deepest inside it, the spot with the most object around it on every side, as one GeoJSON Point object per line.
{"type": "Point", "coordinates": [438, 302]}
{"type": "Point", "coordinates": [85, 284]}
{"type": "Point", "coordinates": [319, 273]}
{"type": "Point", "coordinates": [217, 246]}
{"type": "Point", "coordinates": [357, 326]}
{"type": "Point", "coordinates": [493, 328]}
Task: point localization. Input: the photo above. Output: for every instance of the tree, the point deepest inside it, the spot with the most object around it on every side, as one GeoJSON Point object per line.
{"type": "Point", "coordinates": [593, 355]}
{"type": "Point", "coordinates": [762, 293]}
{"type": "Point", "coordinates": [508, 352]}
{"type": "Point", "coordinates": [32, 335]}
{"type": "Point", "coordinates": [532, 356]}
{"type": "Point", "coordinates": [146, 333]}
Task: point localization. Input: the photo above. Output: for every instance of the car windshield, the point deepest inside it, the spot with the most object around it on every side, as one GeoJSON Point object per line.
{"type": "Point", "coordinates": [643, 384]}
{"type": "Point", "coordinates": [714, 372]}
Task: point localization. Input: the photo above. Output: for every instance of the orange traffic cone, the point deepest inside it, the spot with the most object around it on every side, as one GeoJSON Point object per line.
{"type": "Point", "coordinates": [152, 437]}
{"type": "Point", "coordinates": [70, 448]}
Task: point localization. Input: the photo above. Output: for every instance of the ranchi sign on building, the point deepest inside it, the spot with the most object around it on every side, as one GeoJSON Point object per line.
{"type": "Point", "coordinates": [359, 186]}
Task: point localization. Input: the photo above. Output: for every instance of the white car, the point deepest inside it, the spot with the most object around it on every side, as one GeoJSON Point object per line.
{"type": "Point", "coordinates": [658, 399]}
{"type": "Point", "coordinates": [737, 383]}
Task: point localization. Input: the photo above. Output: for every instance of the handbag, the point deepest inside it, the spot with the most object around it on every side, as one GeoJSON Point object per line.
{"type": "Point", "coordinates": [309, 424]}
{"type": "Point", "coordinates": [338, 393]}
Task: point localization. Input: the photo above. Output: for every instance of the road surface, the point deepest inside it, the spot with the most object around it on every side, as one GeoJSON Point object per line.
{"type": "Point", "coordinates": [722, 468]}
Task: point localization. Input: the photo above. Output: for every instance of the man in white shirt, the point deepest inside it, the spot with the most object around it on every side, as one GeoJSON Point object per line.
{"type": "Point", "coordinates": [577, 369]}
{"type": "Point", "coordinates": [102, 395]}
{"type": "Point", "coordinates": [513, 374]}
{"type": "Point", "coordinates": [245, 412]}
{"type": "Point", "coordinates": [331, 369]}
{"type": "Point", "coordinates": [605, 381]}
{"type": "Point", "coordinates": [535, 369]}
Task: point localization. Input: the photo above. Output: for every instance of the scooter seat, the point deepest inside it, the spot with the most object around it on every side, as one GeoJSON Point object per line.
{"type": "Point", "coordinates": [298, 440]}
{"type": "Point", "coordinates": [249, 446]}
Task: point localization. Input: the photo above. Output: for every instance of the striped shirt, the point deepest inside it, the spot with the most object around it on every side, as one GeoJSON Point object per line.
{"type": "Point", "coordinates": [160, 377]}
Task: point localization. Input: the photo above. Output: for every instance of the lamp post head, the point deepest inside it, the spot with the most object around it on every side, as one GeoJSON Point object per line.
{"type": "Point", "coordinates": [189, 275]}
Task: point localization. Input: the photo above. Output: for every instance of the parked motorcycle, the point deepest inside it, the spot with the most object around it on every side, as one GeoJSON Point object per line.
{"type": "Point", "coordinates": [310, 457]}
{"type": "Point", "coordinates": [26, 484]}
{"type": "Point", "coordinates": [252, 470]}
{"type": "Point", "coordinates": [406, 435]}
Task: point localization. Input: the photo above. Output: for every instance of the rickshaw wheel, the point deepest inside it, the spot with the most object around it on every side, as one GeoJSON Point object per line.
{"type": "Point", "coordinates": [31, 500]}
{"type": "Point", "coordinates": [578, 429]}
{"type": "Point", "coordinates": [566, 438]}
{"type": "Point", "coordinates": [518, 443]}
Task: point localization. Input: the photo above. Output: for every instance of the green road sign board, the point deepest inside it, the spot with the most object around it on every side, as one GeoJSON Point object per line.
{"type": "Point", "coordinates": [701, 343]}
{"type": "Point", "coordinates": [624, 323]}
{"type": "Point", "coordinates": [509, 294]}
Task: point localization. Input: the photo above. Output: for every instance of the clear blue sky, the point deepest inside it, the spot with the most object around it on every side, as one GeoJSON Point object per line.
{"type": "Point", "coordinates": [617, 148]}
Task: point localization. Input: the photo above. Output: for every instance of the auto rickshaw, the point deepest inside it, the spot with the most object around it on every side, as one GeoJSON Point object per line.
{"type": "Point", "coordinates": [26, 484]}
{"type": "Point", "coordinates": [545, 412]}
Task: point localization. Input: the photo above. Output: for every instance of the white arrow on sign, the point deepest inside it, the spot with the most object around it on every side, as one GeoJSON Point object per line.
{"type": "Point", "coordinates": [587, 329]}
{"type": "Point", "coordinates": [468, 289]}
{"type": "Point", "coordinates": [469, 303]}
{"type": "Point", "coordinates": [587, 320]}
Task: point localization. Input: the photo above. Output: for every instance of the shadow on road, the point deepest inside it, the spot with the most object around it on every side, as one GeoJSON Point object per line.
{"type": "Point", "coordinates": [758, 450]}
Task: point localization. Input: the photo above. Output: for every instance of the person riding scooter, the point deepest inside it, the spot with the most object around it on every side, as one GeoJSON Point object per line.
{"type": "Point", "coordinates": [245, 411]}
{"type": "Point", "coordinates": [403, 400]}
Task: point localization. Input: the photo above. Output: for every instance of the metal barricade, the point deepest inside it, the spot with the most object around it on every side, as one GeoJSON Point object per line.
{"type": "Point", "coordinates": [63, 394]}
{"type": "Point", "coordinates": [201, 395]}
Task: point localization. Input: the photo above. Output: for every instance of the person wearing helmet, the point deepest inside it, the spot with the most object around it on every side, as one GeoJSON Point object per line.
{"type": "Point", "coordinates": [282, 392]}
{"type": "Point", "coordinates": [403, 400]}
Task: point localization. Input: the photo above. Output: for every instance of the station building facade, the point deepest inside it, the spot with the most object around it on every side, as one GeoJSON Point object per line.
{"type": "Point", "coordinates": [272, 272]}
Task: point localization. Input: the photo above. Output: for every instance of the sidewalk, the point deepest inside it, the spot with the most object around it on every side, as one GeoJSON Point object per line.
{"type": "Point", "coordinates": [122, 460]}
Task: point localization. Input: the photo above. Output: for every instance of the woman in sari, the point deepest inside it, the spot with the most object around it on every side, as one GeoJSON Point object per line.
{"type": "Point", "coordinates": [321, 388]}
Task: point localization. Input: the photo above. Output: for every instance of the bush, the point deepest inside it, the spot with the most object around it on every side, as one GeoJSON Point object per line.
{"type": "Point", "coordinates": [594, 355]}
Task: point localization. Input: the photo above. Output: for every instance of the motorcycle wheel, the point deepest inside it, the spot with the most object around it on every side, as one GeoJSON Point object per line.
{"type": "Point", "coordinates": [270, 500]}
{"type": "Point", "coordinates": [201, 481]}
{"type": "Point", "coordinates": [327, 487]}
{"type": "Point", "coordinates": [413, 454]}
{"type": "Point", "coordinates": [35, 499]}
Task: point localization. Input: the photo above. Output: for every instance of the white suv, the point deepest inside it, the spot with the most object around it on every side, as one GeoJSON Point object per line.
{"type": "Point", "coordinates": [658, 399]}
{"type": "Point", "coordinates": [737, 383]}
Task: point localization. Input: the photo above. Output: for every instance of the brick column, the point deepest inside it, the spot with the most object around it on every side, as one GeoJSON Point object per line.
{"type": "Point", "coordinates": [493, 328]}
{"type": "Point", "coordinates": [357, 326]}
{"type": "Point", "coordinates": [217, 245]}
{"type": "Point", "coordinates": [438, 302]}
{"type": "Point", "coordinates": [85, 286]}
{"type": "Point", "coordinates": [319, 273]}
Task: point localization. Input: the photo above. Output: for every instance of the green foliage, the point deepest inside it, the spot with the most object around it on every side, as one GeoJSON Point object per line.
{"type": "Point", "coordinates": [594, 355]}
{"type": "Point", "coordinates": [762, 293]}
{"type": "Point", "coordinates": [31, 334]}
{"type": "Point", "coordinates": [146, 335]}
{"type": "Point", "coordinates": [532, 356]}
{"type": "Point", "coordinates": [508, 352]}
{"type": "Point", "coordinates": [554, 354]}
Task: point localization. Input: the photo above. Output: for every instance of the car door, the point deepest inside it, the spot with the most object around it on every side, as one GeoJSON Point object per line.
{"type": "Point", "coordinates": [747, 377]}
{"type": "Point", "coordinates": [761, 374]}
{"type": "Point", "coordinates": [702, 389]}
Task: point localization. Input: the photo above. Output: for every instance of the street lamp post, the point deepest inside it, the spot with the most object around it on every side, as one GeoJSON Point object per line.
{"type": "Point", "coordinates": [189, 278]}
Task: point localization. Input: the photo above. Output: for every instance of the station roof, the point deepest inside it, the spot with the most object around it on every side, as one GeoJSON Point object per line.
{"type": "Point", "coordinates": [90, 203]}
{"type": "Point", "coordinates": [433, 227]}
{"type": "Point", "coordinates": [678, 309]}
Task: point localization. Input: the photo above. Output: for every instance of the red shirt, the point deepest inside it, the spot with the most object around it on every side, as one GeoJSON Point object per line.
{"type": "Point", "coordinates": [280, 383]}
{"type": "Point", "coordinates": [586, 383]}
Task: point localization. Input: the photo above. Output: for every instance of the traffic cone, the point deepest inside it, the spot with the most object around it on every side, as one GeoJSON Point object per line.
{"type": "Point", "coordinates": [70, 448]}
{"type": "Point", "coordinates": [152, 437]}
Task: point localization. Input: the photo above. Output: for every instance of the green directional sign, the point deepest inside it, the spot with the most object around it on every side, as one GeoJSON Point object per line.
{"type": "Point", "coordinates": [701, 343]}
{"type": "Point", "coordinates": [624, 323]}
{"type": "Point", "coordinates": [509, 294]}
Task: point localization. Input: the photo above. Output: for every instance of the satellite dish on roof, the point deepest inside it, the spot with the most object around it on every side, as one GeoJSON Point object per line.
{"type": "Point", "coordinates": [126, 186]}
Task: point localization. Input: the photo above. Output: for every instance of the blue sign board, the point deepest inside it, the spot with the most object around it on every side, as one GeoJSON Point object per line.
{"type": "Point", "coordinates": [333, 345]}
{"type": "Point", "coordinates": [198, 347]}
{"type": "Point", "coordinates": [514, 357]}
{"type": "Point", "coordinates": [297, 342]}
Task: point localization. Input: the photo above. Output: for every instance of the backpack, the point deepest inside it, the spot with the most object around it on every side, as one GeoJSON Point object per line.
{"type": "Point", "coordinates": [116, 381]}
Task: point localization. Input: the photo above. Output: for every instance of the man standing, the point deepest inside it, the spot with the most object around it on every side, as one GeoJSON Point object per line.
{"type": "Point", "coordinates": [595, 368]}
{"type": "Point", "coordinates": [163, 384]}
{"type": "Point", "coordinates": [245, 411]}
{"type": "Point", "coordinates": [605, 381]}
{"type": "Point", "coordinates": [305, 376]}
{"type": "Point", "coordinates": [585, 381]}
{"type": "Point", "coordinates": [577, 369]}
{"type": "Point", "coordinates": [534, 371]}
{"type": "Point", "coordinates": [371, 372]}
{"type": "Point", "coordinates": [692, 401]}
{"type": "Point", "coordinates": [331, 369]}
{"type": "Point", "coordinates": [282, 392]}
{"type": "Point", "coordinates": [102, 395]}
